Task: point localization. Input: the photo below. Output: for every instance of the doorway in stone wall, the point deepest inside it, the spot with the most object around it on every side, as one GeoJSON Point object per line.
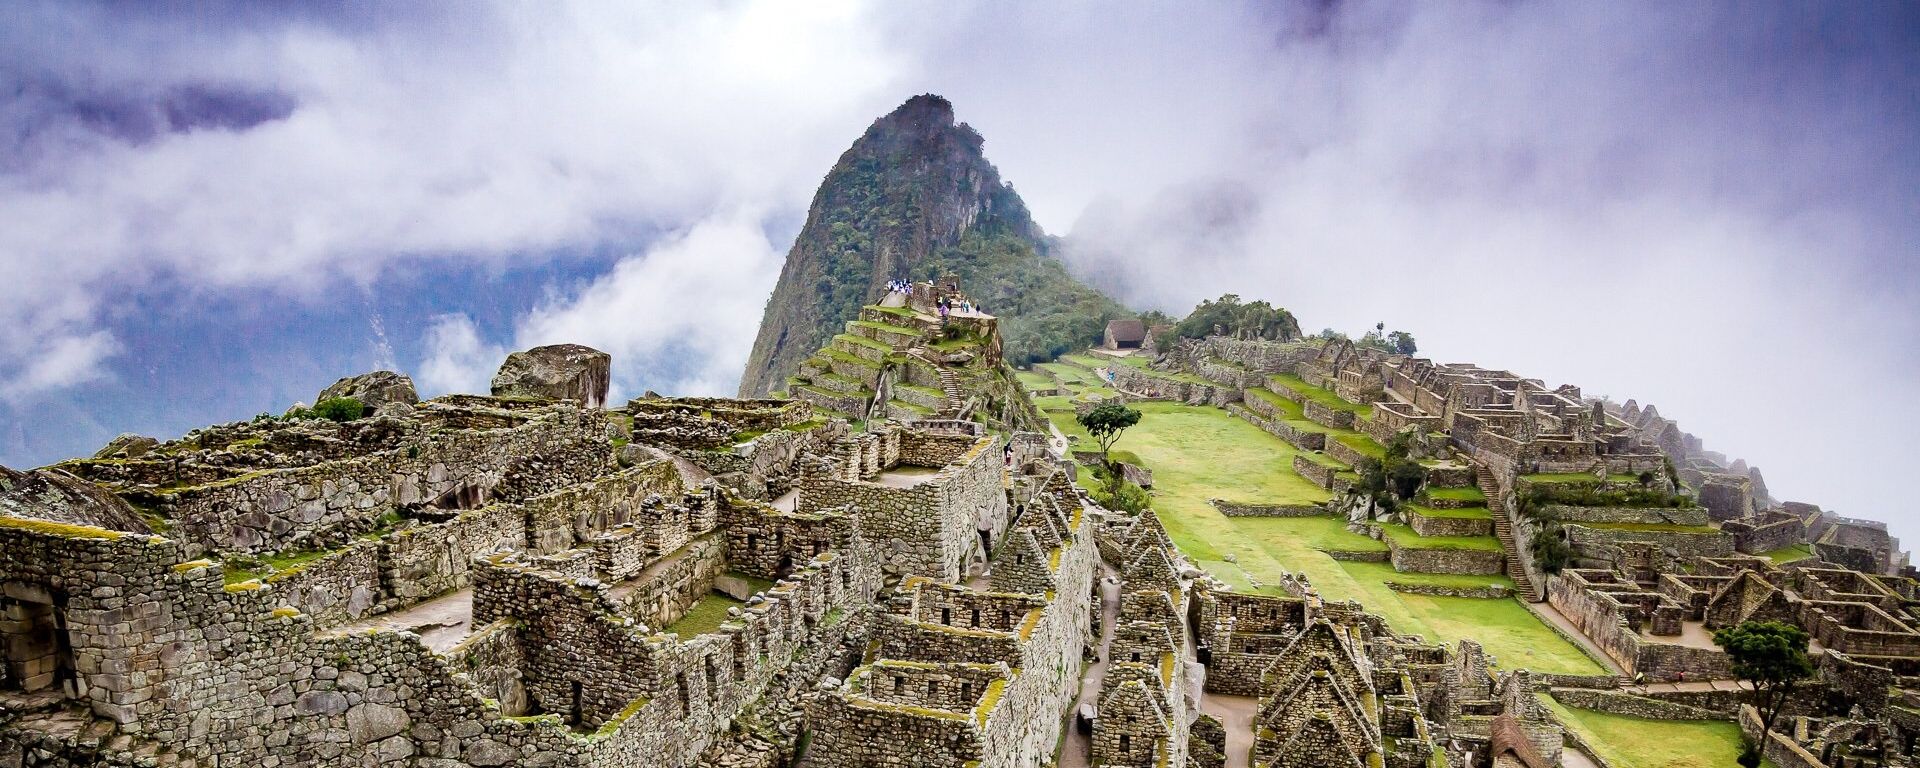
{"type": "Point", "coordinates": [33, 637]}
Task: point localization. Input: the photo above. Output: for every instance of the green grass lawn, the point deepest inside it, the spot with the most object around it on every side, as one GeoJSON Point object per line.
{"type": "Point", "coordinates": [705, 616]}
{"type": "Point", "coordinates": [1790, 554]}
{"type": "Point", "coordinates": [1468, 493]}
{"type": "Point", "coordinates": [1407, 539]}
{"type": "Point", "coordinates": [1631, 742]}
{"type": "Point", "coordinates": [1197, 453]}
{"type": "Point", "coordinates": [1463, 513]}
{"type": "Point", "coordinates": [1033, 381]}
{"type": "Point", "coordinates": [1069, 374]}
{"type": "Point", "coordinates": [1319, 395]}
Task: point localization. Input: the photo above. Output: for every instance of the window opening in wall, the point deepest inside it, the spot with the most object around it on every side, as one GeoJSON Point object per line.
{"type": "Point", "coordinates": [1136, 656]}
{"type": "Point", "coordinates": [933, 690]}
{"type": "Point", "coordinates": [975, 617]}
{"type": "Point", "coordinates": [1126, 744]}
{"type": "Point", "coordinates": [899, 685]}
{"type": "Point", "coordinates": [946, 616]}
{"type": "Point", "coordinates": [966, 692]}
{"type": "Point", "coordinates": [574, 712]}
{"type": "Point", "coordinates": [686, 701]}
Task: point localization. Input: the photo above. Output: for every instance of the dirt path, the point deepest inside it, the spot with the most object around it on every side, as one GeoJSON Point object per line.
{"type": "Point", "coordinates": [1076, 752]}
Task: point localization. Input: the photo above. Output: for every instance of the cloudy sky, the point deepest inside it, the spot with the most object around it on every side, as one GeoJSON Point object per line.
{"type": "Point", "coordinates": [212, 213]}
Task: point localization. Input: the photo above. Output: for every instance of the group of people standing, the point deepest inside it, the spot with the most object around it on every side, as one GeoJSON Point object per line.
{"type": "Point", "coordinates": [943, 304]}
{"type": "Point", "coordinates": [953, 305]}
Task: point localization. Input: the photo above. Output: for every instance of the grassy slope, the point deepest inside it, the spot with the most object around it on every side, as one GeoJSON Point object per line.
{"type": "Point", "coordinates": [1630, 742]}
{"type": "Point", "coordinates": [1198, 453]}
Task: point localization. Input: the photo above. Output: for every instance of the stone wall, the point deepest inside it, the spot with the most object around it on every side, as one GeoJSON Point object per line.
{"type": "Point", "coordinates": [1485, 562]}
{"type": "Point", "coordinates": [324, 504]}
{"type": "Point", "coordinates": [340, 586]}
{"type": "Point", "coordinates": [1260, 355]}
{"type": "Point", "coordinates": [1672, 515]}
{"type": "Point", "coordinates": [1244, 509]}
{"type": "Point", "coordinates": [1714, 544]}
{"type": "Point", "coordinates": [1439, 525]}
{"type": "Point", "coordinates": [928, 529]}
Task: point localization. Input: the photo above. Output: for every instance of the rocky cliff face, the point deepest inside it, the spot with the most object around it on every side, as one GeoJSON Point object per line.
{"type": "Point", "coordinates": [913, 197]}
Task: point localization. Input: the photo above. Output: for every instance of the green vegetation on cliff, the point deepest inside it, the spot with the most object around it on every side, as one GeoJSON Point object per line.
{"type": "Point", "coordinates": [913, 198]}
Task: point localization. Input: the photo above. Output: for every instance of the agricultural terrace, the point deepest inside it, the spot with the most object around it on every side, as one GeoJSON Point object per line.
{"type": "Point", "coordinates": [1201, 453]}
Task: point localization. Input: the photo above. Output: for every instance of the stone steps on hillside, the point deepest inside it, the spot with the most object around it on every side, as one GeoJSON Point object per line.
{"type": "Point", "coordinates": [1503, 530]}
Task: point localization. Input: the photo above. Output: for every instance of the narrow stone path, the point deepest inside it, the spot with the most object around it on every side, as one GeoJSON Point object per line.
{"type": "Point", "coordinates": [1077, 751]}
{"type": "Point", "coordinates": [441, 622]}
{"type": "Point", "coordinates": [1236, 713]}
{"type": "Point", "coordinates": [1551, 615]}
{"type": "Point", "coordinates": [1572, 757]}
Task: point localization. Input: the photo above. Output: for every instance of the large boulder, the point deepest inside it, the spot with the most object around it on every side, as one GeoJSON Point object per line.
{"type": "Point", "coordinates": [127, 446]}
{"type": "Point", "coordinates": [53, 494]}
{"type": "Point", "coordinates": [373, 389]}
{"type": "Point", "coordinates": [559, 371]}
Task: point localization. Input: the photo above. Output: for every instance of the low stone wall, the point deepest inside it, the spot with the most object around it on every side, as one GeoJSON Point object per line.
{"type": "Point", "coordinates": [1434, 525]}
{"type": "Point", "coordinates": [1345, 454]}
{"type": "Point", "coordinates": [1242, 509]}
{"type": "Point", "coordinates": [672, 585]}
{"type": "Point", "coordinates": [1490, 591]}
{"type": "Point", "coordinates": [1315, 472]}
{"type": "Point", "coordinates": [1476, 562]}
{"type": "Point", "coordinates": [1264, 415]}
{"type": "Point", "coordinates": [1670, 515]}
{"type": "Point", "coordinates": [1777, 747]}
{"type": "Point", "coordinates": [1154, 384]}
{"type": "Point", "coordinates": [1327, 417]}
{"type": "Point", "coordinates": [336, 588]}
{"type": "Point", "coordinates": [1714, 544]}
{"type": "Point", "coordinates": [1258, 354]}
{"type": "Point", "coordinates": [1623, 703]}
{"type": "Point", "coordinates": [1227, 375]}
{"type": "Point", "coordinates": [431, 559]}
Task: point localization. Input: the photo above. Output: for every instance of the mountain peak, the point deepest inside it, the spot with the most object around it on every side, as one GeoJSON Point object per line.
{"type": "Point", "coordinates": [913, 197]}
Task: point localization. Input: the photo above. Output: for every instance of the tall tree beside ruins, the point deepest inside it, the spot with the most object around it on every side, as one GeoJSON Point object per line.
{"type": "Point", "coordinates": [1772, 656]}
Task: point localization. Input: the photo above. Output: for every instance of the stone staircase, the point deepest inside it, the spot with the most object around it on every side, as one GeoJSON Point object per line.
{"type": "Point", "coordinates": [1503, 530]}
{"type": "Point", "coordinates": [950, 386]}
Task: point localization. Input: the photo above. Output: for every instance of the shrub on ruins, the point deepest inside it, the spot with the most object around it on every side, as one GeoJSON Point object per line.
{"type": "Point", "coordinates": [1772, 657]}
{"type": "Point", "coordinates": [339, 409]}
{"type": "Point", "coordinates": [1254, 320]}
{"type": "Point", "coordinates": [1549, 546]}
{"type": "Point", "coordinates": [1392, 479]}
{"type": "Point", "coordinates": [1115, 493]}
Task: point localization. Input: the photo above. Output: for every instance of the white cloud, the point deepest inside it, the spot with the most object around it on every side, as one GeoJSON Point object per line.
{"type": "Point", "coordinates": [489, 135]}
{"type": "Point", "coordinates": [62, 362]}
{"type": "Point", "coordinates": [457, 360]}
{"type": "Point", "coordinates": [679, 318]}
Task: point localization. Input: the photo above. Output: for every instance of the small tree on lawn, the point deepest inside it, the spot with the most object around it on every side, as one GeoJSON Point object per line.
{"type": "Point", "coordinates": [1105, 423]}
{"type": "Point", "coordinates": [1772, 656]}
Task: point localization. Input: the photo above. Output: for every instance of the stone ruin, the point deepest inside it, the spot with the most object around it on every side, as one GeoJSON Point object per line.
{"type": "Point", "coordinates": [1668, 540]}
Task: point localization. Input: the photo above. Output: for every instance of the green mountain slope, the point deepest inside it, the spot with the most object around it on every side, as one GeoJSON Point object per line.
{"type": "Point", "coordinates": [914, 197]}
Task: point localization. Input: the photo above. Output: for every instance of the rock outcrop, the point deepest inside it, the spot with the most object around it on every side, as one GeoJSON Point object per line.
{"type": "Point", "coordinates": [558, 371]}
{"type": "Point", "coordinates": [127, 446]}
{"type": "Point", "coordinates": [373, 389]}
{"type": "Point", "coordinates": [52, 494]}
